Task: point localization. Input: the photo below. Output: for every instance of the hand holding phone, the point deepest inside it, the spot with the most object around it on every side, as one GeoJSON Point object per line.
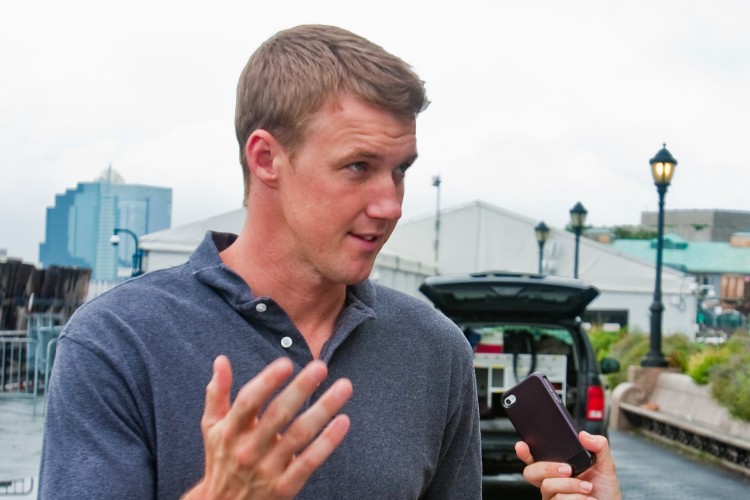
{"type": "Point", "coordinates": [543, 422]}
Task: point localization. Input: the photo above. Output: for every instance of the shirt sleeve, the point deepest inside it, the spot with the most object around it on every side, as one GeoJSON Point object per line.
{"type": "Point", "coordinates": [459, 474]}
{"type": "Point", "coordinates": [95, 438]}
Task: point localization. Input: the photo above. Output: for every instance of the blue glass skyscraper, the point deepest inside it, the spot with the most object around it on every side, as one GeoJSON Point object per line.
{"type": "Point", "coordinates": [82, 221]}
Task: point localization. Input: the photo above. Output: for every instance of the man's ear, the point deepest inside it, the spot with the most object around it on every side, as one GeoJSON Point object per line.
{"type": "Point", "coordinates": [262, 151]}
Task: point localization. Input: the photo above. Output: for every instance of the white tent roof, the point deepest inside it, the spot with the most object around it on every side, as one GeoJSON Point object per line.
{"type": "Point", "coordinates": [479, 236]}
{"type": "Point", "coordinates": [184, 239]}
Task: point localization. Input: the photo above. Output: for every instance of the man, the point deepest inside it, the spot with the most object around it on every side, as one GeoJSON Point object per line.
{"type": "Point", "coordinates": [326, 126]}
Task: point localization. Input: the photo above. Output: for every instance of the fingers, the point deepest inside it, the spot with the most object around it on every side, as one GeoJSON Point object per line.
{"type": "Point", "coordinates": [554, 479]}
{"type": "Point", "coordinates": [256, 393]}
{"type": "Point", "coordinates": [524, 453]}
{"type": "Point", "coordinates": [537, 472]}
{"type": "Point", "coordinates": [277, 415]}
{"type": "Point", "coordinates": [266, 441]}
{"type": "Point", "coordinates": [599, 445]}
{"type": "Point", "coordinates": [604, 473]}
{"type": "Point", "coordinates": [217, 393]}
{"type": "Point", "coordinates": [315, 418]}
{"type": "Point", "coordinates": [317, 452]}
{"type": "Point", "coordinates": [276, 449]}
{"type": "Point", "coordinates": [566, 489]}
{"type": "Point", "coordinates": [285, 406]}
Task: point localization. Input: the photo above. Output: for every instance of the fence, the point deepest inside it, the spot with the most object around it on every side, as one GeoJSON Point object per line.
{"type": "Point", "coordinates": [22, 486]}
{"type": "Point", "coordinates": [26, 357]}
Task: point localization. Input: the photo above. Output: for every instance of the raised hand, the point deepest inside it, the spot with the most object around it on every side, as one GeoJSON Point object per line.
{"type": "Point", "coordinates": [268, 455]}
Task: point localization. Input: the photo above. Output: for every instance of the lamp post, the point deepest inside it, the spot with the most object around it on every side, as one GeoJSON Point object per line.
{"type": "Point", "coordinates": [436, 183]}
{"type": "Point", "coordinates": [577, 220]}
{"type": "Point", "coordinates": [542, 232]}
{"type": "Point", "coordinates": [662, 170]}
{"type": "Point", "coordinates": [137, 254]}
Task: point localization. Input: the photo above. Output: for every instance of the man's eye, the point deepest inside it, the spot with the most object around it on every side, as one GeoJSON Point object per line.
{"type": "Point", "coordinates": [357, 167]}
{"type": "Point", "coordinates": [401, 171]}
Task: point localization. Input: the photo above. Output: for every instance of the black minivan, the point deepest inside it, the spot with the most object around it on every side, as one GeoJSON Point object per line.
{"type": "Point", "coordinates": [518, 324]}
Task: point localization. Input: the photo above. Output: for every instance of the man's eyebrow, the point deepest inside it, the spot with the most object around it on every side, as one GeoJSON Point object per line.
{"type": "Point", "coordinates": [366, 153]}
{"type": "Point", "coordinates": [410, 160]}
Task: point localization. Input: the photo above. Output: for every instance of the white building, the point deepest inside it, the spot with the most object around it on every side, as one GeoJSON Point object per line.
{"type": "Point", "coordinates": [481, 237]}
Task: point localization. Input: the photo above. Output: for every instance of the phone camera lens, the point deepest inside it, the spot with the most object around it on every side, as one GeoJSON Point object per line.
{"type": "Point", "coordinates": [508, 401]}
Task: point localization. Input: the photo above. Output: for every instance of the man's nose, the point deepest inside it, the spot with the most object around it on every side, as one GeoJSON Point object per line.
{"type": "Point", "coordinates": [385, 199]}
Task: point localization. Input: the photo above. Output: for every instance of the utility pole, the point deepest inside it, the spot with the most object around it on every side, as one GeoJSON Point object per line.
{"type": "Point", "coordinates": [436, 183]}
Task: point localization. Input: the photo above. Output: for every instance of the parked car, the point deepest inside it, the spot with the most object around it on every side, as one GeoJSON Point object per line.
{"type": "Point", "coordinates": [518, 324]}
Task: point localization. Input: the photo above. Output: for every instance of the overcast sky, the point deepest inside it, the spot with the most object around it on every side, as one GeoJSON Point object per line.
{"type": "Point", "coordinates": [535, 104]}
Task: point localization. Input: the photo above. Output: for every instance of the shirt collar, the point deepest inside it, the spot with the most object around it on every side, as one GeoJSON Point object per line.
{"type": "Point", "coordinates": [208, 268]}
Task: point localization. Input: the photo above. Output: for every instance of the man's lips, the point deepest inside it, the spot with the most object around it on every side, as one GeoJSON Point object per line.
{"type": "Point", "coordinates": [370, 238]}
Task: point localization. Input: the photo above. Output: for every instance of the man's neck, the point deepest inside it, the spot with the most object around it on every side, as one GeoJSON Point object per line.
{"type": "Point", "coordinates": [312, 304]}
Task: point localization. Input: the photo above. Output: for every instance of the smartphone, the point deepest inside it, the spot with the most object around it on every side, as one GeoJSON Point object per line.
{"type": "Point", "coordinates": [535, 410]}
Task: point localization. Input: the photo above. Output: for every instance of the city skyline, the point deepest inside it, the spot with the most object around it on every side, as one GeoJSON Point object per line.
{"type": "Point", "coordinates": [534, 106]}
{"type": "Point", "coordinates": [80, 226]}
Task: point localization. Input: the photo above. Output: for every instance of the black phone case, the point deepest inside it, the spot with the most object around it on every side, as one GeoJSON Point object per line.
{"type": "Point", "coordinates": [543, 422]}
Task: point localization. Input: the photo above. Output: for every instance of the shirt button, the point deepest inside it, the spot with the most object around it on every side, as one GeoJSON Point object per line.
{"type": "Point", "coordinates": [286, 342]}
{"type": "Point", "coordinates": [261, 308]}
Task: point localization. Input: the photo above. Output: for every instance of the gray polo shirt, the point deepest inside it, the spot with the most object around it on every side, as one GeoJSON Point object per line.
{"type": "Point", "coordinates": [128, 387]}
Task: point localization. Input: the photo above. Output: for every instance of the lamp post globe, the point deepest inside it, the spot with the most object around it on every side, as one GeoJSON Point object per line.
{"type": "Point", "coordinates": [542, 233]}
{"type": "Point", "coordinates": [577, 221]}
{"type": "Point", "coordinates": [662, 169]}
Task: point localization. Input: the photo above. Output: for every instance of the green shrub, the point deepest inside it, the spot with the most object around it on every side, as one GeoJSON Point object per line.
{"type": "Point", "coordinates": [726, 367]}
{"type": "Point", "coordinates": [602, 341]}
{"type": "Point", "coordinates": [701, 363]}
{"type": "Point", "coordinates": [730, 385]}
{"type": "Point", "coordinates": [730, 381]}
{"type": "Point", "coordinates": [739, 342]}
{"type": "Point", "coordinates": [631, 348]}
{"type": "Point", "coordinates": [678, 349]}
{"type": "Point", "coordinates": [628, 350]}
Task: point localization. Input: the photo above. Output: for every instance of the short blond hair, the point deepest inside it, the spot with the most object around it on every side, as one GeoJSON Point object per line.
{"type": "Point", "coordinates": [294, 73]}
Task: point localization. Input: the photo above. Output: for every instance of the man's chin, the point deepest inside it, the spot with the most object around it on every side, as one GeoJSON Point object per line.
{"type": "Point", "coordinates": [356, 277]}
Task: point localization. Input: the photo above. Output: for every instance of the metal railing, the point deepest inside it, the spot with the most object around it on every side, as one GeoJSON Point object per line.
{"type": "Point", "coordinates": [18, 377]}
{"type": "Point", "coordinates": [26, 357]}
{"type": "Point", "coordinates": [21, 486]}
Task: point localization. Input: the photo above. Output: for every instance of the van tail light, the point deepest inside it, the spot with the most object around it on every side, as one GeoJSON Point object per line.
{"type": "Point", "coordinates": [595, 403]}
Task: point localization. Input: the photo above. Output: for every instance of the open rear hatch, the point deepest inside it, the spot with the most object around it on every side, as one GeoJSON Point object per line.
{"type": "Point", "coordinates": [496, 295]}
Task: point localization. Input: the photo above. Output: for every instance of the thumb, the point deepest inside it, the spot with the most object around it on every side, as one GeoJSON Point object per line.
{"type": "Point", "coordinates": [217, 393]}
{"type": "Point", "coordinates": [599, 445]}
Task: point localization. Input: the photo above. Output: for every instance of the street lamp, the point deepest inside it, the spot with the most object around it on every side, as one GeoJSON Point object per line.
{"type": "Point", "coordinates": [542, 232]}
{"type": "Point", "coordinates": [662, 170]}
{"type": "Point", "coordinates": [137, 254]}
{"type": "Point", "coordinates": [577, 220]}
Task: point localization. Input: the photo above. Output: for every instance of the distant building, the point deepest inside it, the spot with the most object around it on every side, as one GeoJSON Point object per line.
{"type": "Point", "coordinates": [699, 224]}
{"type": "Point", "coordinates": [724, 266]}
{"type": "Point", "coordinates": [80, 224]}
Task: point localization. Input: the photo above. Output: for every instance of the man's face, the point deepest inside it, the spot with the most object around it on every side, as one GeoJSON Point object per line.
{"type": "Point", "coordinates": [340, 194]}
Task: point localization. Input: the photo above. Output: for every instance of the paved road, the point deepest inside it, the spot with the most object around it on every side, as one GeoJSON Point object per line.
{"type": "Point", "coordinates": [20, 446]}
{"type": "Point", "coordinates": [649, 470]}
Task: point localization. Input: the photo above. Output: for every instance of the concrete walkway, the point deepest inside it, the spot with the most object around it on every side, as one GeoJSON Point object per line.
{"type": "Point", "coordinates": [20, 446]}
